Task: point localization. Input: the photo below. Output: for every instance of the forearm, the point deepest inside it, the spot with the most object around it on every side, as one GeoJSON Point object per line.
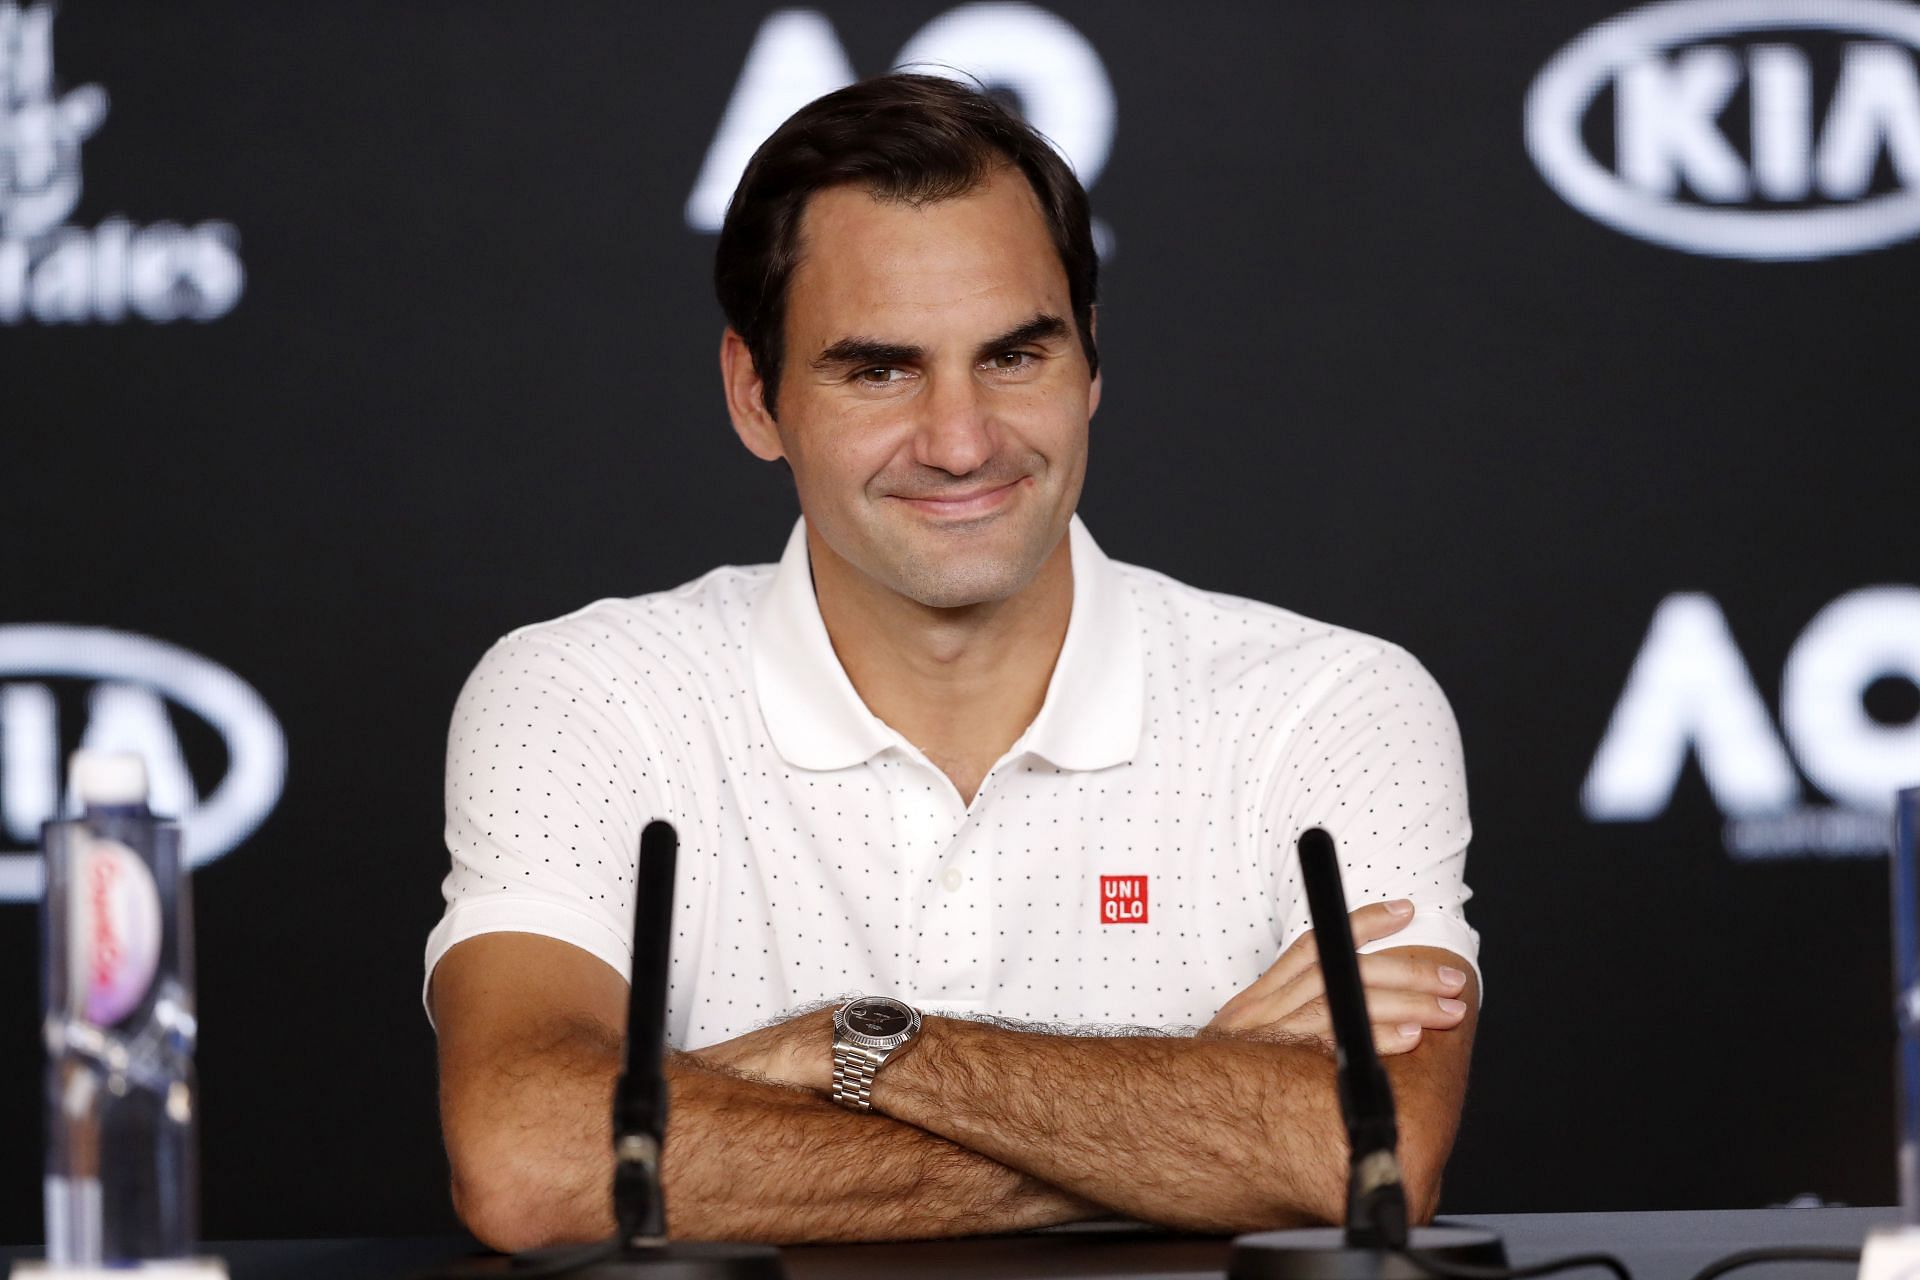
{"type": "Point", "coordinates": [754, 1161]}
{"type": "Point", "coordinates": [529, 1137]}
{"type": "Point", "coordinates": [1429, 1090]}
{"type": "Point", "coordinates": [531, 1146]}
{"type": "Point", "coordinates": [1209, 1135]}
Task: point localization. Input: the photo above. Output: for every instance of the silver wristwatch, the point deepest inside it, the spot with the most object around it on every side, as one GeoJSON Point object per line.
{"type": "Point", "coordinates": [867, 1030]}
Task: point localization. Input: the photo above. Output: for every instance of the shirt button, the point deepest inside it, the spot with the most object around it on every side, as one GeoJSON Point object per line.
{"type": "Point", "coordinates": [951, 879]}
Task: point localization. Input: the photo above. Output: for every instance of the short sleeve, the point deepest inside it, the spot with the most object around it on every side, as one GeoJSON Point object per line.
{"type": "Point", "coordinates": [1377, 762]}
{"type": "Point", "coordinates": [554, 765]}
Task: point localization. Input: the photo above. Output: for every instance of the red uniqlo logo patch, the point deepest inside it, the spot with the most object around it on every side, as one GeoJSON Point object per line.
{"type": "Point", "coordinates": [1123, 899]}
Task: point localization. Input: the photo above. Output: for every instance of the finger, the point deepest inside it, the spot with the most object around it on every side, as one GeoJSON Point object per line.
{"type": "Point", "coordinates": [1369, 924]}
{"type": "Point", "coordinates": [1401, 1007]}
{"type": "Point", "coordinates": [1253, 1011]}
{"type": "Point", "coordinates": [1385, 970]}
{"type": "Point", "coordinates": [1379, 920]}
{"type": "Point", "coordinates": [1390, 1038]}
{"type": "Point", "coordinates": [1391, 1035]}
{"type": "Point", "coordinates": [1301, 1007]}
{"type": "Point", "coordinates": [1399, 971]}
{"type": "Point", "coordinates": [1308, 987]}
{"type": "Point", "coordinates": [1308, 1019]}
{"type": "Point", "coordinates": [1313, 1020]}
{"type": "Point", "coordinates": [1301, 954]}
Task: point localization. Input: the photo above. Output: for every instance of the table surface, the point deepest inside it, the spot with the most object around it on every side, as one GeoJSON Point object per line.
{"type": "Point", "coordinates": [1656, 1245]}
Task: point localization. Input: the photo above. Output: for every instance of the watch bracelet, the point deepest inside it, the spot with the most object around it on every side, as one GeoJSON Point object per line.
{"type": "Point", "coordinates": [853, 1070]}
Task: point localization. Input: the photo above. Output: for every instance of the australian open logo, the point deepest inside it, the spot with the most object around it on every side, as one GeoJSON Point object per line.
{"type": "Point", "coordinates": [55, 273]}
{"type": "Point", "coordinates": [1045, 66]}
{"type": "Point", "coordinates": [1771, 130]}
{"type": "Point", "coordinates": [1849, 724]}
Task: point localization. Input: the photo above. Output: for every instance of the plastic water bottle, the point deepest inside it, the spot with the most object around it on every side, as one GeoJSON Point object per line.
{"type": "Point", "coordinates": [117, 982]}
{"type": "Point", "coordinates": [1892, 1251]}
{"type": "Point", "coordinates": [1906, 992]}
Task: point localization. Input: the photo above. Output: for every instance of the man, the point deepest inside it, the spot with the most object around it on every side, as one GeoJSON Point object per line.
{"type": "Point", "coordinates": [947, 755]}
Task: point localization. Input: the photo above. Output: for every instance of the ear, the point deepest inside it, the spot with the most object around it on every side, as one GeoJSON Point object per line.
{"type": "Point", "coordinates": [746, 399]}
{"type": "Point", "coordinates": [1093, 331]}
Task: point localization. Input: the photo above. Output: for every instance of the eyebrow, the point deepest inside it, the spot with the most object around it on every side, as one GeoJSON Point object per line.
{"type": "Point", "coordinates": [872, 351]}
{"type": "Point", "coordinates": [1044, 327]}
{"type": "Point", "coordinates": [866, 351]}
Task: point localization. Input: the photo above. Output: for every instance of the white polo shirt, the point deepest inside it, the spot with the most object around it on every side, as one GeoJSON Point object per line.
{"type": "Point", "coordinates": [1130, 860]}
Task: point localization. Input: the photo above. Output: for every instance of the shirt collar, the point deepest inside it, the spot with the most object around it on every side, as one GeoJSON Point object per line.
{"type": "Point", "coordinates": [1096, 701]}
{"type": "Point", "coordinates": [813, 713]}
{"type": "Point", "coordinates": [1090, 719]}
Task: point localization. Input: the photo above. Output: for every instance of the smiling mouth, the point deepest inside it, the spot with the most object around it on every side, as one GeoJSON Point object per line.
{"type": "Point", "coordinates": [965, 505]}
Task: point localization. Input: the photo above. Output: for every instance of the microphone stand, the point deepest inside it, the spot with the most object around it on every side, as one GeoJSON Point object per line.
{"type": "Point", "coordinates": [1376, 1243]}
{"type": "Point", "coordinates": [640, 1249]}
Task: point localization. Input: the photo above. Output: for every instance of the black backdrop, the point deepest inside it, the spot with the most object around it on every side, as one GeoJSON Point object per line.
{"type": "Point", "coordinates": [1362, 360]}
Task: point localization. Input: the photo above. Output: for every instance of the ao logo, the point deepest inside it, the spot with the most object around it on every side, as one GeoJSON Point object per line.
{"type": "Point", "coordinates": [1802, 191]}
{"type": "Point", "coordinates": [1061, 84]}
{"type": "Point", "coordinates": [1690, 689]}
{"type": "Point", "coordinates": [134, 679]}
{"type": "Point", "coordinates": [59, 274]}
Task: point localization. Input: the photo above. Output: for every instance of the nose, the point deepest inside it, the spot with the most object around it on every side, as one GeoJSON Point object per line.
{"type": "Point", "coordinates": [955, 431]}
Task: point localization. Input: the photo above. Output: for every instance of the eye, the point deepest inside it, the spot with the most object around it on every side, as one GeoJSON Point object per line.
{"type": "Point", "coordinates": [1010, 361]}
{"type": "Point", "coordinates": [878, 375]}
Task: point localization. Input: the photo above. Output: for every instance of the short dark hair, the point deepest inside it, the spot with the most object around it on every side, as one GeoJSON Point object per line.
{"type": "Point", "coordinates": [915, 138]}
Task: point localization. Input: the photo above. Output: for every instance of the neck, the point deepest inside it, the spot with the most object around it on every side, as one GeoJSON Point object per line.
{"type": "Point", "coordinates": [961, 684]}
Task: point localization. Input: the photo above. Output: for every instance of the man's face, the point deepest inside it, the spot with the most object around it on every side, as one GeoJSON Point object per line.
{"type": "Point", "coordinates": [935, 397]}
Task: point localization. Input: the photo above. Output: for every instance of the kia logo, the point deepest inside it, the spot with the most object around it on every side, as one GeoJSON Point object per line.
{"type": "Point", "coordinates": [1802, 187]}
{"type": "Point", "coordinates": [134, 678]}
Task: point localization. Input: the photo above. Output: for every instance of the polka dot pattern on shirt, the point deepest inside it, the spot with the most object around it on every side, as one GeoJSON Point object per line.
{"type": "Point", "coordinates": [797, 884]}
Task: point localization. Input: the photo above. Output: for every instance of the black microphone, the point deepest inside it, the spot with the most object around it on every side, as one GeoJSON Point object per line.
{"type": "Point", "coordinates": [640, 1098]}
{"type": "Point", "coordinates": [1376, 1202]}
{"type": "Point", "coordinates": [1375, 1242]}
{"type": "Point", "coordinates": [640, 1249]}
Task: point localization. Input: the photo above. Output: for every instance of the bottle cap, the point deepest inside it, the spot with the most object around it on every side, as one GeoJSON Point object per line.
{"type": "Point", "coordinates": [108, 777]}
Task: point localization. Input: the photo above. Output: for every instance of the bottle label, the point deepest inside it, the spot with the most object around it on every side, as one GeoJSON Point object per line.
{"type": "Point", "coordinates": [117, 929]}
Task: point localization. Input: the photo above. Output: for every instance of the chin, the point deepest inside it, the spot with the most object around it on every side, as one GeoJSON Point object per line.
{"type": "Point", "coordinates": [958, 565]}
{"type": "Point", "coordinates": [958, 581]}
{"type": "Point", "coordinates": [957, 595]}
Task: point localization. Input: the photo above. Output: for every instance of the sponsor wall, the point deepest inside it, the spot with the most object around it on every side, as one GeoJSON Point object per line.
{"type": "Point", "coordinates": [1565, 345]}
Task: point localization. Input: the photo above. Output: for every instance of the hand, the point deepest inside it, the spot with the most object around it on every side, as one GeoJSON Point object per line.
{"type": "Point", "coordinates": [797, 1052]}
{"type": "Point", "coordinates": [1406, 995]}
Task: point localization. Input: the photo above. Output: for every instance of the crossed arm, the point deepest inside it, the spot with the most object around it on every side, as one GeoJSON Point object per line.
{"type": "Point", "coordinates": [526, 1087]}
{"type": "Point", "coordinates": [983, 1128]}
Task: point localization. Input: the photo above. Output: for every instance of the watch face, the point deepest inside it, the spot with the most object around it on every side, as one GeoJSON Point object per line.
{"type": "Point", "coordinates": [876, 1016]}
